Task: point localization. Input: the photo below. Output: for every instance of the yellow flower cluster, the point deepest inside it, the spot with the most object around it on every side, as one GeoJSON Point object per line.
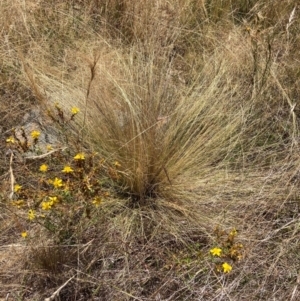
{"type": "Point", "coordinates": [226, 267]}
{"type": "Point", "coordinates": [47, 205]}
{"type": "Point", "coordinates": [77, 179]}
{"type": "Point", "coordinates": [228, 249]}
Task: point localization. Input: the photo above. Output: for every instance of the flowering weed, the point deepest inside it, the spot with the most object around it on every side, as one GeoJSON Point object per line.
{"type": "Point", "coordinates": [228, 250]}
{"type": "Point", "coordinates": [62, 185]}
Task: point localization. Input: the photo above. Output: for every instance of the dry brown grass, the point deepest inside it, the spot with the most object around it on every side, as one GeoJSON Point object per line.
{"type": "Point", "coordinates": [197, 101]}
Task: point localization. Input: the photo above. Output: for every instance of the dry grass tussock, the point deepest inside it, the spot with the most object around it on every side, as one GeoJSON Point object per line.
{"type": "Point", "coordinates": [150, 151]}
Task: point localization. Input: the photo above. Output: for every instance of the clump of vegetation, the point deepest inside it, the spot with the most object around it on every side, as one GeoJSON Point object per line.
{"type": "Point", "coordinates": [175, 123]}
{"type": "Point", "coordinates": [226, 249]}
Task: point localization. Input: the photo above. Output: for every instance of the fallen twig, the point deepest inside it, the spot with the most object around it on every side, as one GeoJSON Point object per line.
{"type": "Point", "coordinates": [45, 155]}
{"type": "Point", "coordinates": [56, 293]}
{"type": "Point", "coordinates": [12, 177]}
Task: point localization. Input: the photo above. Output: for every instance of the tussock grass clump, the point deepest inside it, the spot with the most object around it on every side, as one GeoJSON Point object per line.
{"type": "Point", "coordinates": [164, 138]}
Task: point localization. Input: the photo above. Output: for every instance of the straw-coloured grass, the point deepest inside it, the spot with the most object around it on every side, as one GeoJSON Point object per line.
{"type": "Point", "coordinates": [175, 170]}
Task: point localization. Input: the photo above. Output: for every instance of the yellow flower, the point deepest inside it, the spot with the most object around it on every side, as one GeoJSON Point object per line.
{"type": "Point", "coordinates": [17, 188]}
{"type": "Point", "coordinates": [43, 167]}
{"type": "Point", "coordinates": [35, 134]}
{"type": "Point", "coordinates": [97, 201]}
{"type": "Point", "coordinates": [53, 200]}
{"type": "Point", "coordinates": [117, 164]}
{"type": "Point", "coordinates": [10, 140]}
{"type": "Point", "coordinates": [57, 183]}
{"type": "Point", "coordinates": [75, 110]}
{"type": "Point", "coordinates": [216, 252]}
{"type": "Point", "coordinates": [49, 147]}
{"type": "Point", "coordinates": [79, 156]}
{"type": "Point", "coordinates": [46, 205]}
{"type": "Point", "coordinates": [233, 232]}
{"type": "Point", "coordinates": [24, 234]}
{"type": "Point", "coordinates": [31, 214]}
{"type": "Point", "coordinates": [67, 169]}
{"type": "Point", "coordinates": [226, 267]}
{"type": "Point", "coordinates": [18, 203]}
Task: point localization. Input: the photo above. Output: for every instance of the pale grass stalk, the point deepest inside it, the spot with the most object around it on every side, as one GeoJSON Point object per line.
{"type": "Point", "coordinates": [12, 177]}
{"type": "Point", "coordinates": [55, 295]}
